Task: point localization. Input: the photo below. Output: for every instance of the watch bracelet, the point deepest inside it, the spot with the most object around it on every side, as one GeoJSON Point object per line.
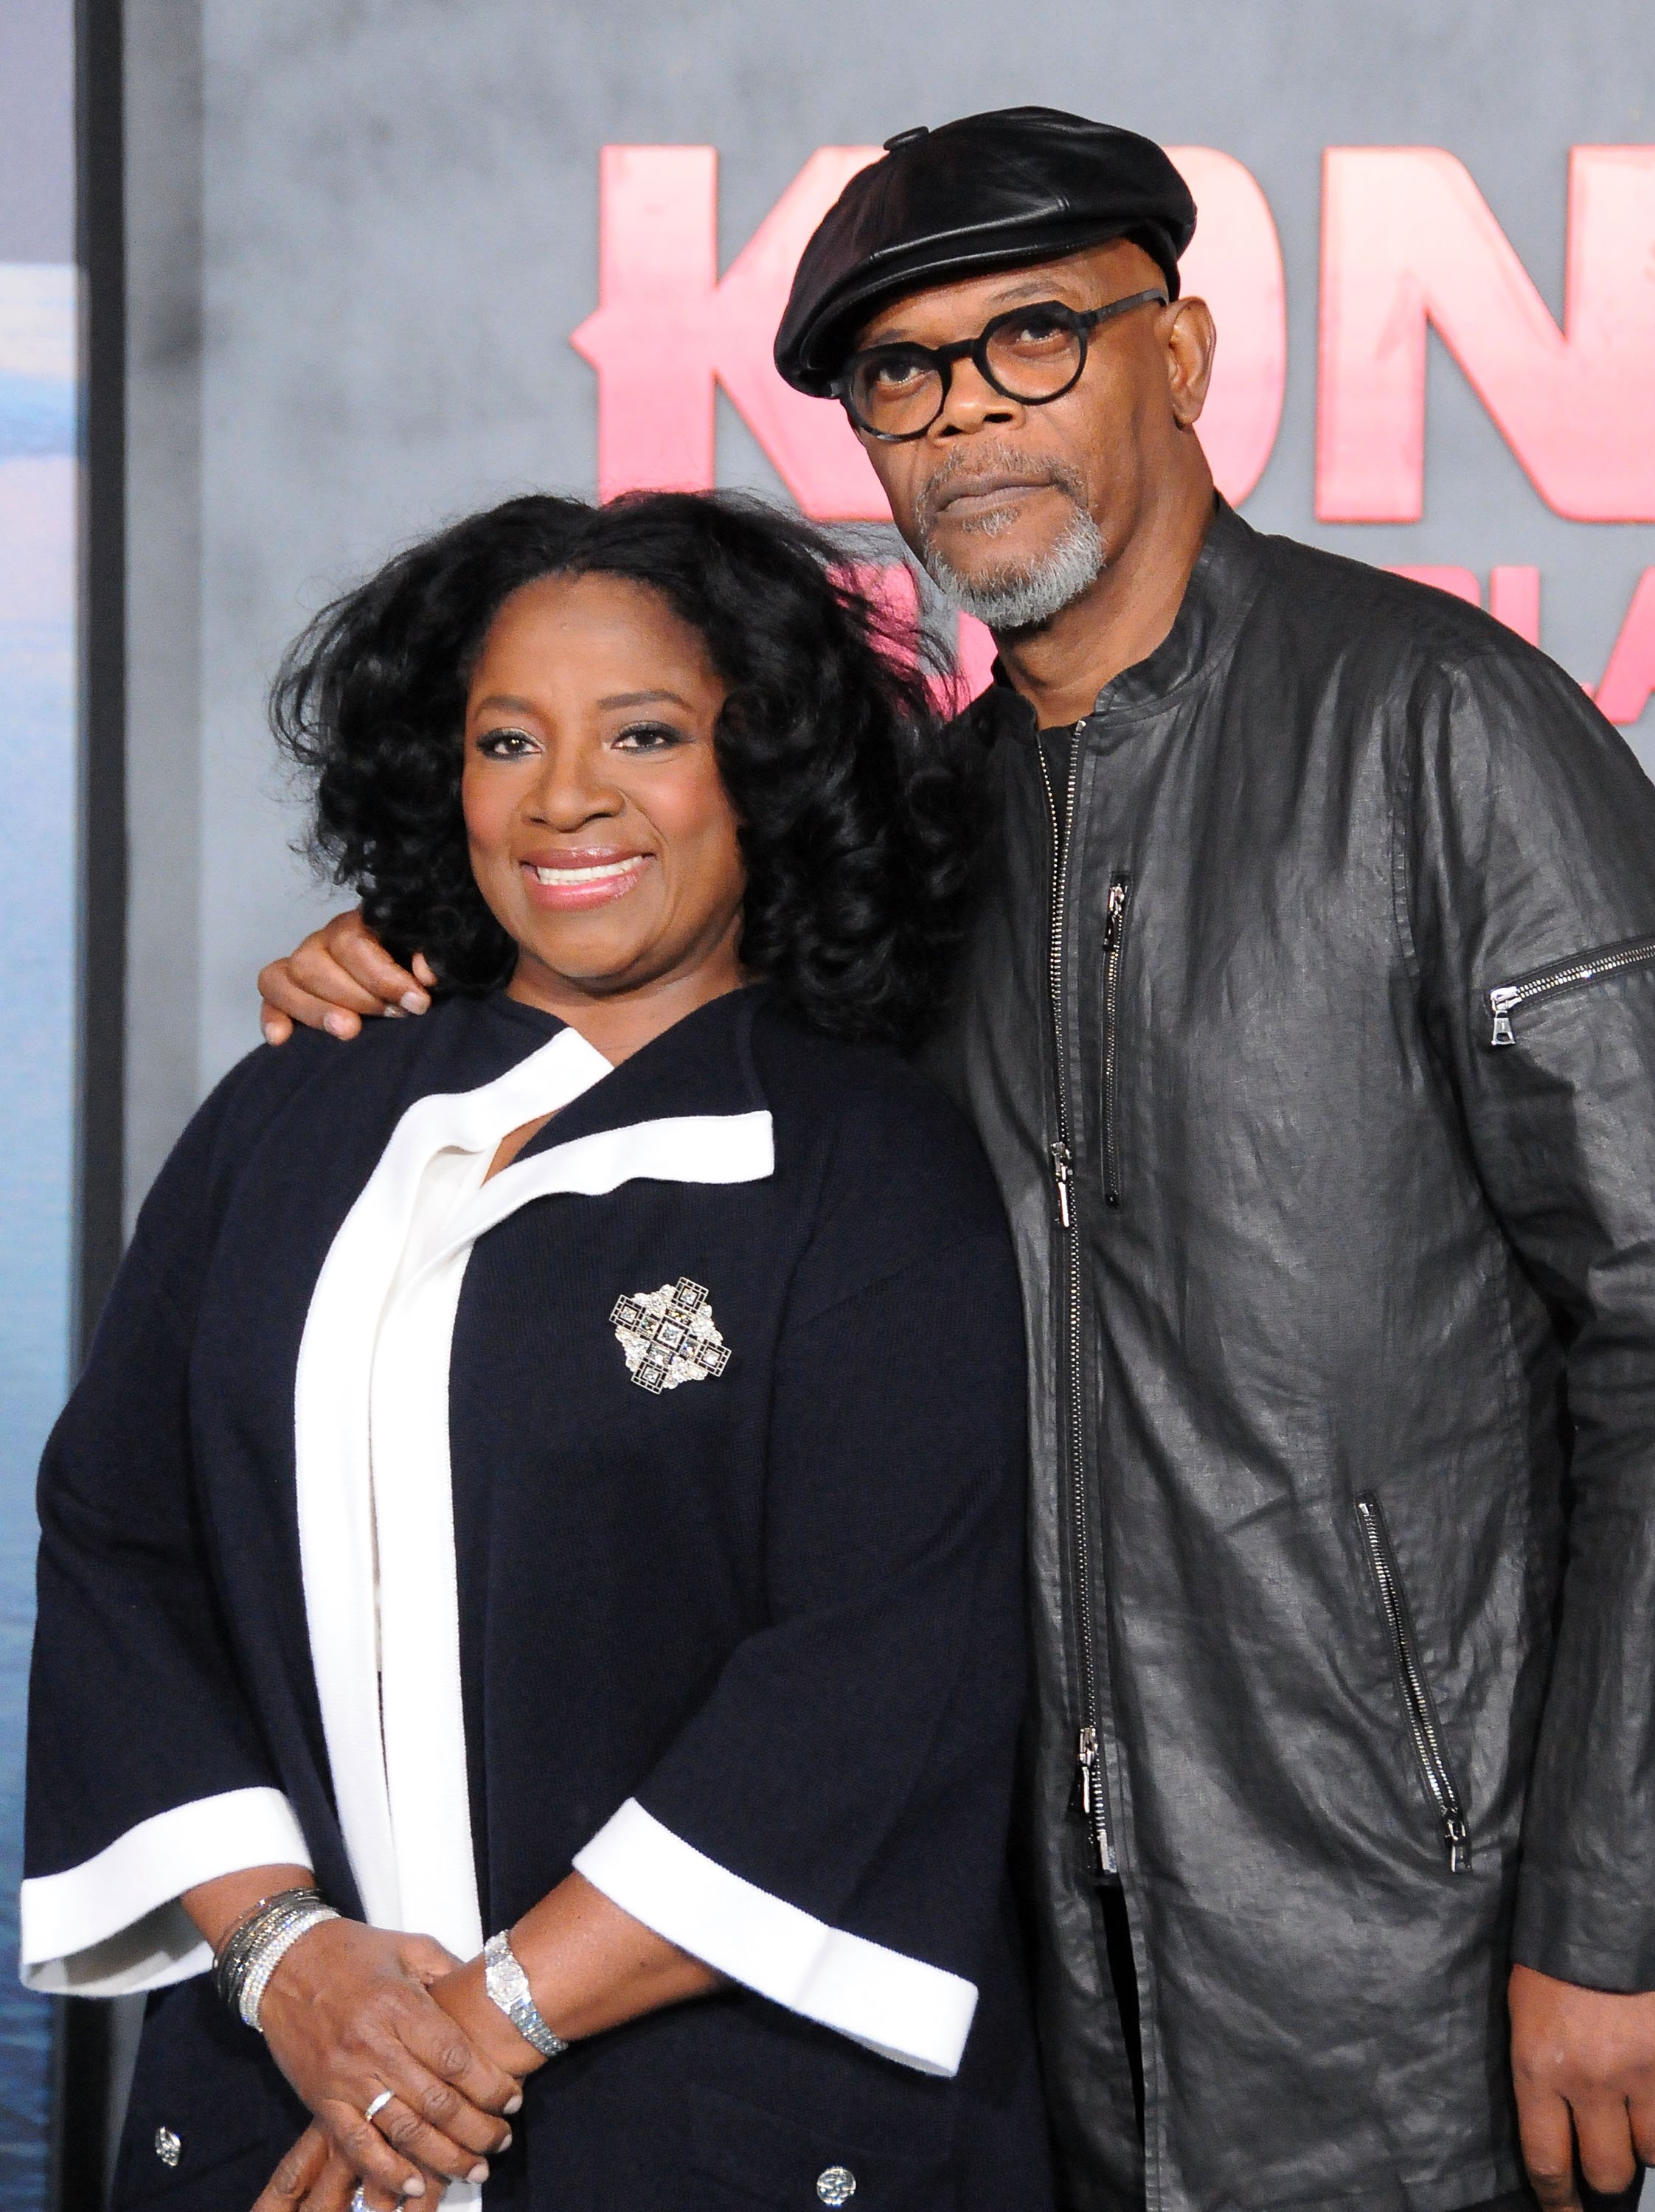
{"type": "Point", "coordinates": [507, 1987]}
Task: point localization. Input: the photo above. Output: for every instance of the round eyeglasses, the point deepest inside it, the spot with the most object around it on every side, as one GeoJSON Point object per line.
{"type": "Point", "coordinates": [1031, 355]}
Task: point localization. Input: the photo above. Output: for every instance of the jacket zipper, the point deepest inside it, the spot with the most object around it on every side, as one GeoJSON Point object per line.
{"type": "Point", "coordinates": [1504, 1001]}
{"type": "Point", "coordinates": [1089, 1777]}
{"type": "Point", "coordinates": [1120, 896]}
{"type": "Point", "coordinates": [1422, 1715]}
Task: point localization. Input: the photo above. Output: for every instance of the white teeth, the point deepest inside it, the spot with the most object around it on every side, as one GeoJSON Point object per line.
{"type": "Point", "coordinates": [593, 875]}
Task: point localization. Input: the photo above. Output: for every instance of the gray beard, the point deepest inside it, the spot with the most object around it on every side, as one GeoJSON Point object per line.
{"type": "Point", "coordinates": [1023, 597]}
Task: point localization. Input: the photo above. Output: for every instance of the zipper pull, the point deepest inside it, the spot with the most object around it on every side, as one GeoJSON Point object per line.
{"type": "Point", "coordinates": [1458, 1841]}
{"type": "Point", "coordinates": [1087, 1759]}
{"type": "Point", "coordinates": [1115, 913]}
{"type": "Point", "coordinates": [1091, 1793]}
{"type": "Point", "coordinates": [1500, 1004]}
{"type": "Point", "coordinates": [1062, 1169]}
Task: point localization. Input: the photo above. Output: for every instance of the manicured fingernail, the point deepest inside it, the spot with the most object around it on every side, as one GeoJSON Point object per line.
{"type": "Point", "coordinates": [514, 2104]}
{"type": "Point", "coordinates": [269, 1028]}
{"type": "Point", "coordinates": [414, 1002]}
{"type": "Point", "coordinates": [414, 2187]}
{"type": "Point", "coordinates": [478, 2172]}
{"type": "Point", "coordinates": [334, 1024]}
{"type": "Point", "coordinates": [504, 2143]}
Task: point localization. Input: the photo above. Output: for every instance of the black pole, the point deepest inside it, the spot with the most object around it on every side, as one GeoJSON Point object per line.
{"type": "Point", "coordinates": [83, 2072]}
{"type": "Point", "coordinates": [103, 656]}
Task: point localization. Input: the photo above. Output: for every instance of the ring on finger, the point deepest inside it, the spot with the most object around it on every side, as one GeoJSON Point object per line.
{"type": "Point", "coordinates": [378, 2105]}
{"type": "Point", "coordinates": [358, 2199]}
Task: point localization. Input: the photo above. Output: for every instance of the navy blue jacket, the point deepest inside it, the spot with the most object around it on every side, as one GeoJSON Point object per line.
{"type": "Point", "coordinates": [731, 1465]}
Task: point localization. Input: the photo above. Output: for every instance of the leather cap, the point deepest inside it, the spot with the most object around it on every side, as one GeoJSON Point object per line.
{"type": "Point", "coordinates": [990, 192]}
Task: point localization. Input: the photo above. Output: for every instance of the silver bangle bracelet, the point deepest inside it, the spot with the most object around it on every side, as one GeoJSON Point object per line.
{"type": "Point", "coordinates": [272, 1948]}
{"type": "Point", "coordinates": [507, 1986]}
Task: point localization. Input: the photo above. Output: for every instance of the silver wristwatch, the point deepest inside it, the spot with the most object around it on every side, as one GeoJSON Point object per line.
{"type": "Point", "coordinates": [507, 1986]}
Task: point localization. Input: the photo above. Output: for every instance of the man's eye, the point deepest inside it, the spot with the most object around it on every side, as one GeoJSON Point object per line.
{"type": "Point", "coordinates": [1037, 331]}
{"type": "Point", "coordinates": [898, 372]}
{"type": "Point", "coordinates": [648, 737]}
{"type": "Point", "coordinates": [505, 745]}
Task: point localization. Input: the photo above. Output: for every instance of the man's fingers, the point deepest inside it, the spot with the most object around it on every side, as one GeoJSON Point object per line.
{"type": "Point", "coordinates": [1608, 2160]}
{"type": "Point", "coordinates": [277, 988]}
{"type": "Point", "coordinates": [314, 968]}
{"type": "Point", "coordinates": [350, 943]}
{"type": "Point", "coordinates": [1642, 2111]}
{"type": "Point", "coordinates": [299, 2170]}
{"type": "Point", "coordinates": [1547, 2132]}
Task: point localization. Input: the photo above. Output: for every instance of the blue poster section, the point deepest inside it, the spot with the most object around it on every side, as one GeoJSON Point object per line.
{"type": "Point", "coordinates": [38, 965]}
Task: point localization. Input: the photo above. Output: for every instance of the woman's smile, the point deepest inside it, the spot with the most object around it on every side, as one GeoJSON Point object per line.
{"type": "Point", "coordinates": [559, 883]}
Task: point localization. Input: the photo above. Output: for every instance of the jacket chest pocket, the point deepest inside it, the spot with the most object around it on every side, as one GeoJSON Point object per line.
{"type": "Point", "coordinates": [1425, 1731]}
{"type": "Point", "coordinates": [1117, 915]}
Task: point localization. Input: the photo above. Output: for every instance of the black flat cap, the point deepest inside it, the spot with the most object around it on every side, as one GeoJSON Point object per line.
{"type": "Point", "coordinates": [1017, 185]}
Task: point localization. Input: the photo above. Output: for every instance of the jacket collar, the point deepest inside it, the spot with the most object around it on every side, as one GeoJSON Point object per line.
{"type": "Point", "coordinates": [1221, 589]}
{"type": "Point", "coordinates": [701, 1066]}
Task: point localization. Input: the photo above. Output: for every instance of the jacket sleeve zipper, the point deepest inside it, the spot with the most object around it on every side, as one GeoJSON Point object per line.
{"type": "Point", "coordinates": [1091, 1794]}
{"type": "Point", "coordinates": [1506, 998]}
{"type": "Point", "coordinates": [1416, 1698]}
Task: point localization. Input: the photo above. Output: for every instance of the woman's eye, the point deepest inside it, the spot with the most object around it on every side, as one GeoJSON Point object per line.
{"type": "Point", "coordinates": [648, 737]}
{"type": "Point", "coordinates": [505, 745]}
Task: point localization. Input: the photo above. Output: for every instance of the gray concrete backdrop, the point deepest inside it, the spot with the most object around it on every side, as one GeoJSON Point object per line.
{"type": "Point", "coordinates": [363, 233]}
{"type": "Point", "coordinates": [37, 101]}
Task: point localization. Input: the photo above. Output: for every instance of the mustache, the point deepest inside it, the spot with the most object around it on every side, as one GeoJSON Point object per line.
{"type": "Point", "coordinates": [962, 472]}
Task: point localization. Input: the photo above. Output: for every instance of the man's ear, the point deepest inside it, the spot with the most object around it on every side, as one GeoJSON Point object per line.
{"type": "Point", "coordinates": [1191, 340]}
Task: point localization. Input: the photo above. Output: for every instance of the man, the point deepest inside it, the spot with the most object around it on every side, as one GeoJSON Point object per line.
{"type": "Point", "coordinates": [1311, 1029]}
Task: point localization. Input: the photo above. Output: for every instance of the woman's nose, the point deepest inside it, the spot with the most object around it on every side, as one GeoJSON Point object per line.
{"type": "Point", "coordinates": [572, 788]}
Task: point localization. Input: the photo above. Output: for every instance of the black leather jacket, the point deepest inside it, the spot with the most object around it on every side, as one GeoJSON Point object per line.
{"type": "Point", "coordinates": [1342, 1004]}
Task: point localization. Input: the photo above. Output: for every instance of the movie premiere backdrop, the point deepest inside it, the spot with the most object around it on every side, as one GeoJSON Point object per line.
{"type": "Point", "coordinates": [389, 262]}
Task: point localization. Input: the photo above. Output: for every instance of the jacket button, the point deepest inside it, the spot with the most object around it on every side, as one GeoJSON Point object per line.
{"type": "Point", "coordinates": [169, 2147]}
{"type": "Point", "coordinates": [836, 2187]}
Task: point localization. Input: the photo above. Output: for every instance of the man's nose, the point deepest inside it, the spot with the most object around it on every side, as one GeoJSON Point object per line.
{"type": "Point", "coordinates": [972, 404]}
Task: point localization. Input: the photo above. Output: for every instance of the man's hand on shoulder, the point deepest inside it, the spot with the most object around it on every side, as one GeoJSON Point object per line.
{"type": "Point", "coordinates": [340, 974]}
{"type": "Point", "coordinates": [1583, 2064]}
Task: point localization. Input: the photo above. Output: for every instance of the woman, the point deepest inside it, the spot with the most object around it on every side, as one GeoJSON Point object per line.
{"type": "Point", "coordinates": [551, 1474]}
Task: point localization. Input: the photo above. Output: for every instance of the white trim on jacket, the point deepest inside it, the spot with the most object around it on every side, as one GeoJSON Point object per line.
{"type": "Point", "coordinates": [112, 1925]}
{"type": "Point", "coordinates": [897, 2006]}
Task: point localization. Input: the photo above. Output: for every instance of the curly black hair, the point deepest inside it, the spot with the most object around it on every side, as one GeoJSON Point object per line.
{"type": "Point", "coordinates": [858, 811]}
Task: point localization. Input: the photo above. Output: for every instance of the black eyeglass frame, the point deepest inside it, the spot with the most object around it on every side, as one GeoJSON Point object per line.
{"type": "Point", "coordinates": [942, 358]}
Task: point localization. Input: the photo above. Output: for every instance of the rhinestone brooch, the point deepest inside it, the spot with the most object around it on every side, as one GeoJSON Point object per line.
{"type": "Point", "coordinates": [169, 2147]}
{"type": "Point", "coordinates": [669, 1336]}
{"type": "Point", "coordinates": [836, 2187]}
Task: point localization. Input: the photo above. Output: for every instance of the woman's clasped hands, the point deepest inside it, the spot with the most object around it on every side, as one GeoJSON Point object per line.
{"type": "Point", "coordinates": [352, 2013]}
